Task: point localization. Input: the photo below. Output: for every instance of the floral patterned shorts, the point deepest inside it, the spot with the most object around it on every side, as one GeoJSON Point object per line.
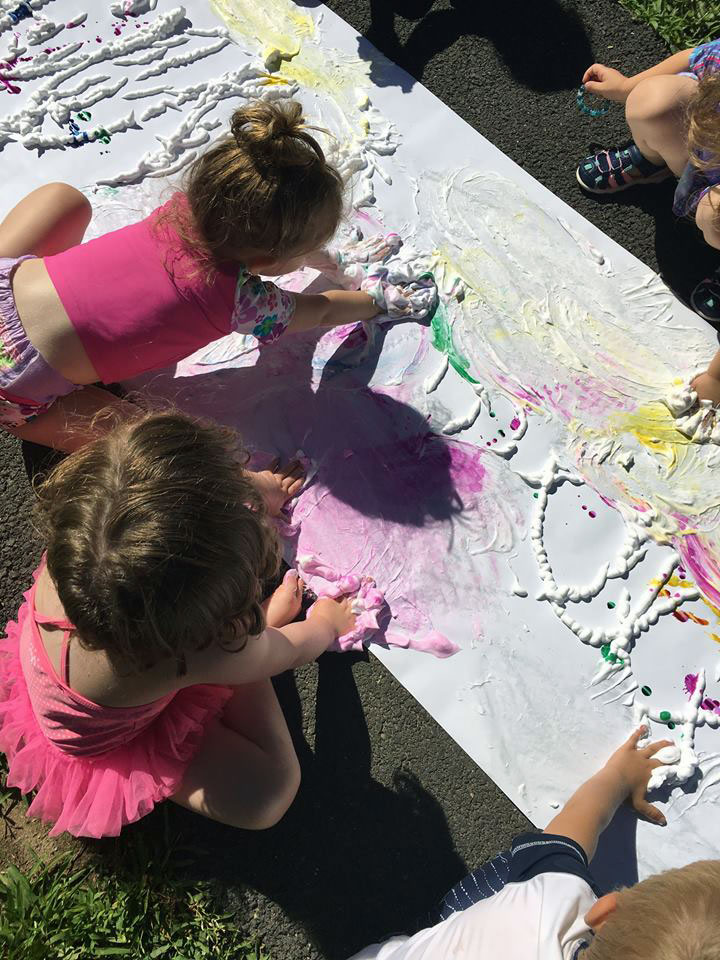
{"type": "Point", "coordinates": [28, 384]}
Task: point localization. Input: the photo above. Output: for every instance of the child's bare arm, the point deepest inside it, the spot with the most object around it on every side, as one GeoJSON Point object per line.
{"type": "Point", "coordinates": [331, 309]}
{"type": "Point", "coordinates": [593, 805]}
{"type": "Point", "coordinates": [277, 650]}
{"type": "Point", "coordinates": [613, 85]}
{"type": "Point", "coordinates": [707, 217]}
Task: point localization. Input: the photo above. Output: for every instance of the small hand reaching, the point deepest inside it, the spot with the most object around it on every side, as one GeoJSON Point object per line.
{"type": "Point", "coordinates": [606, 82]}
{"type": "Point", "coordinates": [401, 297]}
{"type": "Point", "coordinates": [338, 613]}
{"type": "Point", "coordinates": [277, 484]}
{"type": "Point", "coordinates": [707, 388]}
{"type": "Point", "coordinates": [633, 768]}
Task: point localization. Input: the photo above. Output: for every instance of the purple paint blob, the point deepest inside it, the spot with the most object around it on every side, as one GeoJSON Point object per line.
{"type": "Point", "coordinates": [690, 684]}
{"type": "Point", "coordinates": [591, 513]}
{"type": "Point", "coordinates": [514, 423]}
{"type": "Point", "coordinates": [584, 507]}
{"type": "Point", "coordinates": [98, 39]}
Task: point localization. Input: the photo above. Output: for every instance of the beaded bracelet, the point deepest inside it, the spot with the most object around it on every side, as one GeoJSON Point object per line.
{"type": "Point", "coordinates": [584, 108]}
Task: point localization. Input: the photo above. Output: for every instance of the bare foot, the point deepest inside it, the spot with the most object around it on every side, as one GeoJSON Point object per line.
{"type": "Point", "coordinates": [277, 484]}
{"type": "Point", "coordinates": [284, 605]}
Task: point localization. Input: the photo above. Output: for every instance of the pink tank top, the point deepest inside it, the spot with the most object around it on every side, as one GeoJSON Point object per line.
{"type": "Point", "coordinates": [139, 302]}
{"type": "Point", "coordinates": [74, 724]}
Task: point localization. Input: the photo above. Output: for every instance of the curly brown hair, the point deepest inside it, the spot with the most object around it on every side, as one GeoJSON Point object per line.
{"type": "Point", "coordinates": [157, 542]}
{"type": "Point", "coordinates": [265, 186]}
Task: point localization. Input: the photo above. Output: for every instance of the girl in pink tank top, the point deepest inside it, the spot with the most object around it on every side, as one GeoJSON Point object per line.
{"type": "Point", "coordinates": [259, 201]}
{"type": "Point", "coordinates": [139, 665]}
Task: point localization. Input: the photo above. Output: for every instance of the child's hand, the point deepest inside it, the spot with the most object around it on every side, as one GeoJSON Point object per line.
{"type": "Point", "coordinates": [338, 613]}
{"type": "Point", "coordinates": [707, 388]}
{"type": "Point", "coordinates": [401, 298]}
{"type": "Point", "coordinates": [284, 604]}
{"type": "Point", "coordinates": [605, 82]}
{"type": "Point", "coordinates": [277, 484]}
{"type": "Point", "coordinates": [633, 768]}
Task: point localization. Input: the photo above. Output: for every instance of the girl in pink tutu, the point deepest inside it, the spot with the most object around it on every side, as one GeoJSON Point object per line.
{"type": "Point", "coordinates": [139, 666]}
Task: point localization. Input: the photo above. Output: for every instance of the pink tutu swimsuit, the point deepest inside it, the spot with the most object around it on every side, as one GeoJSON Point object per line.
{"type": "Point", "coordinates": [94, 768]}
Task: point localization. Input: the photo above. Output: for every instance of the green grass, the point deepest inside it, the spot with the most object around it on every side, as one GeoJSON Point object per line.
{"type": "Point", "coordinates": [136, 902]}
{"type": "Point", "coordinates": [681, 23]}
{"type": "Point", "coordinates": [140, 908]}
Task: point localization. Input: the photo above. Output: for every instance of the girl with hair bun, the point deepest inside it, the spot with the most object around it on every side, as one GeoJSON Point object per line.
{"type": "Point", "coordinates": [75, 314]}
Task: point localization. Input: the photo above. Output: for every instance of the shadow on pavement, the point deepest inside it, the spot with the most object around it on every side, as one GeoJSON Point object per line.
{"type": "Point", "coordinates": [533, 27]}
{"type": "Point", "coordinates": [352, 861]}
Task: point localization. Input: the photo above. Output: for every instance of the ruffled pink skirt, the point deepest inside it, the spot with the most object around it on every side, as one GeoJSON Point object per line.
{"type": "Point", "coordinates": [97, 796]}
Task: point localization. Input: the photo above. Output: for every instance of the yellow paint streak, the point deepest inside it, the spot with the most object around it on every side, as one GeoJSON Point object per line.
{"type": "Point", "coordinates": [654, 427]}
{"type": "Point", "coordinates": [277, 24]}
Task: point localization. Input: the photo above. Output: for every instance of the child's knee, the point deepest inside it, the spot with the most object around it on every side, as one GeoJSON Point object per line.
{"type": "Point", "coordinates": [67, 200]}
{"type": "Point", "coordinates": [654, 99]}
{"type": "Point", "coordinates": [281, 795]}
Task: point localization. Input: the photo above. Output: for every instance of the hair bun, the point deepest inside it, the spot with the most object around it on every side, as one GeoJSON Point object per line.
{"type": "Point", "coordinates": [275, 134]}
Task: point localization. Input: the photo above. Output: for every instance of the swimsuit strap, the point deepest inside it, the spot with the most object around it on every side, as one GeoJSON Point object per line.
{"type": "Point", "coordinates": [67, 629]}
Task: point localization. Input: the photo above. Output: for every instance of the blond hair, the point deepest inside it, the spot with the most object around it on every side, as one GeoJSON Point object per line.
{"type": "Point", "coordinates": [674, 915]}
{"type": "Point", "coordinates": [265, 186]}
{"type": "Point", "coordinates": [704, 124]}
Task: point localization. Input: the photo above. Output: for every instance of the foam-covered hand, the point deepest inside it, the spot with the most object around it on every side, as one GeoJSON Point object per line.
{"type": "Point", "coordinates": [399, 294]}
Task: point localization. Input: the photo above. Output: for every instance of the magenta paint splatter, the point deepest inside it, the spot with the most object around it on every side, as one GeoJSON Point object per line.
{"type": "Point", "coordinates": [10, 87]}
{"type": "Point", "coordinates": [116, 31]}
{"type": "Point", "coordinates": [98, 39]}
{"type": "Point", "coordinates": [592, 514]}
{"type": "Point", "coordinates": [514, 423]}
{"type": "Point", "coordinates": [584, 507]}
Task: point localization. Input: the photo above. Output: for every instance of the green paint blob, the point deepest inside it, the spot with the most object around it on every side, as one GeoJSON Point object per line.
{"type": "Point", "coordinates": [665, 715]}
{"type": "Point", "coordinates": [646, 691]}
{"type": "Point", "coordinates": [501, 432]}
{"type": "Point", "coordinates": [492, 413]}
{"type": "Point", "coordinates": [607, 655]}
{"type": "Point", "coordinates": [611, 604]}
{"type": "Point", "coordinates": [536, 495]}
{"type": "Point", "coordinates": [671, 725]}
{"type": "Point", "coordinates": [442, 340]}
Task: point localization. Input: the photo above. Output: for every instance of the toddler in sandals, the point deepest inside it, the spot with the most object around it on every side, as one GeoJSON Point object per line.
{"type": "Point", "coordinates": [260, 200]}
{"type": "Point", "coordinates": [139, 667]}
{"type": "Point", "coordinates": [673, 112]}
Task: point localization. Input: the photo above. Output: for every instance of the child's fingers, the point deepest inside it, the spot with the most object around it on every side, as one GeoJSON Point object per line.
{"type": "Point", "coordinates": [650, 751]}
{"type": "Point", "coordinates": [293, 487]}
{"type": "Point", "coordinates": [593, 73]}
{"type": "Point", "coordinates": [649, 811]}
{"type": "Point", "coordinates": [637, 735]}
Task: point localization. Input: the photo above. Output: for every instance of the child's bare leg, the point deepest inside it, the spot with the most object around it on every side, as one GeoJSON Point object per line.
{"type": "Point", "coordinates": [656, 114]}
{"type": "Point", "coordinates": [246, 772]}
{"type": "Point", "coordinates": [72, 420]}
{"type": "Point", "coordinates": [46, 221]}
